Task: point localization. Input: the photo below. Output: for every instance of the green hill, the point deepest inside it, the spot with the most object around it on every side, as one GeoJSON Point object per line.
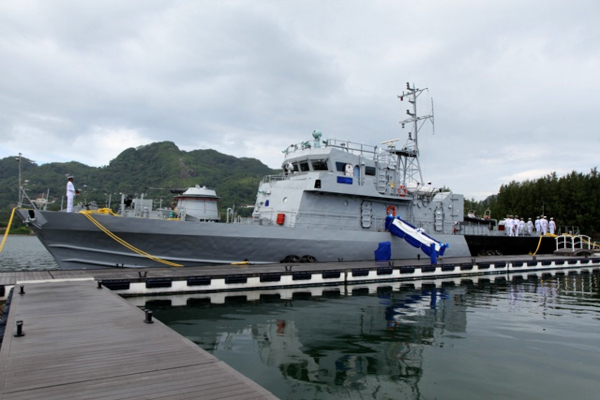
{"type": "Point", "coordinates": [151, 169]}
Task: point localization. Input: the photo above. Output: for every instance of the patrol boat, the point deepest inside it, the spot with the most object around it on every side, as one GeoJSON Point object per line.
{"type": "Point", "coordinates": [486, 236]}
{"type": "Point", "coordinates": [333, 201]}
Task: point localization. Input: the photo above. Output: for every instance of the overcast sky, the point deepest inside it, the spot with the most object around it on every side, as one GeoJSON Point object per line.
{"type": "Point", "coordinates": [515, 84]}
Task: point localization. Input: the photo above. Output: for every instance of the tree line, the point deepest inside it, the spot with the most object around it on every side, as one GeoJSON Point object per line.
{"type": "Point", "coordinates": [572, 200]}
{"type": "Point", "coordinates": [151, 170]}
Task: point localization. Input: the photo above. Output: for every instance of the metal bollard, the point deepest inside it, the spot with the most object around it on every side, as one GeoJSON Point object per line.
{"type": "Point", "coordinates": [148, 318]}
{"type": "Point", "coordinates": [99, 284]}
{"type": "Point", "coordinates": [22, 290]}
{"type": "Point", "coordinates": [19, 332]}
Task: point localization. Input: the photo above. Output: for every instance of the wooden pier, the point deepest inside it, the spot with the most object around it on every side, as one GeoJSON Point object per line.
{"type": "Point", "coordinates": [84, 342]}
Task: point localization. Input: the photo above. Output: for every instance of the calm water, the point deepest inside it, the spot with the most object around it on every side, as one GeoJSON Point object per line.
{"type": "Point", "coordinates": [528, 338]}
{"type": "Point", "coordinates": [25, 253]}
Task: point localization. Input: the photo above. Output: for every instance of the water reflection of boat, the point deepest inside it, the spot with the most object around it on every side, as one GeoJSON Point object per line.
{"type": "Point", "coordinates": [391, 341]}
{"type": "Point", "coordinates": [370, 343]}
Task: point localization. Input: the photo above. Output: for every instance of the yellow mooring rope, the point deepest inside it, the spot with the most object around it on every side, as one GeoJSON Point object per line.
{"type": "Point", "coordinates": [12, 214]}
{"type": "Point", "coordinates": [104, 211]}
{"type": "Point", "coordinates": [540, 242]}
{"type": "Point", "coordinates": [124, 243]}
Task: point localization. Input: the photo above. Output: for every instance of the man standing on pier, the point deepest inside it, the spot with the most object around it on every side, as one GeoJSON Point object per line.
{"type": "Point", "coordinates": [70, 193]}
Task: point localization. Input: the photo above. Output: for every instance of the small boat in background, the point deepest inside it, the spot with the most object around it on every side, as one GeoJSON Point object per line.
{"type": "Point", "coordinates": [486, 236]}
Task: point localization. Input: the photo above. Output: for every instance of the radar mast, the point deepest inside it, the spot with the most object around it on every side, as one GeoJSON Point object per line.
{"type": "Point", "coordinates": [408, 156]}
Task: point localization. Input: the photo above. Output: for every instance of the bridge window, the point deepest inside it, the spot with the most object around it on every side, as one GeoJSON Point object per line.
{"type": "Point", "coordinates": [304, 166]}
{"type": "Point", "coordinates": [370, 171]}
{"type": "Point", "coordinates": [319, 165]}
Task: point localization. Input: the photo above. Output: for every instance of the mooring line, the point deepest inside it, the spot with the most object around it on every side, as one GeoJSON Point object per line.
{"type": "Point", "coordinates": [124, 243]}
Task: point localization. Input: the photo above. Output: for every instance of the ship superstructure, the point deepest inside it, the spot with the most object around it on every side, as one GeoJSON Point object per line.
{"type": "Point", "coordinates": [339, 184]}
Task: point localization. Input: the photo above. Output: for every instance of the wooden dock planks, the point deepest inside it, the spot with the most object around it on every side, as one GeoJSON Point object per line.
{"type": "Point", "coordinates": [85, 342]}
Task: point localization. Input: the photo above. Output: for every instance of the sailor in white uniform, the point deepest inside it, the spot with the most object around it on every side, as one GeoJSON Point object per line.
{"type": "Point", "coordinates": [70, 193]}
{"type": "Point", "coordinates": [521, 227]}
{"type": "Point", "coordinates": [538, 225]}
{"type": "Point", "coordinates": [552, 226]}
{"type": "Point", "coordinates": [544, 224]}
{"type": "Point", "coordinates": [508, 225]}
{"type": "Point", "coordinates": [516, 225]}
{"type": "Point", "coordinates": [529, 226]}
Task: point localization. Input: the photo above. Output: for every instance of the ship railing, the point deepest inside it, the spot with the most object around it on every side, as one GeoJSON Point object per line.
{"type": "Point", "coordinates": [351, 147]}
{"type": "Point", "coordinates": [319, 220]}
{"type": "Point", "coordinates": [324, 219]}
{"type": "Point", "coordinates": [346, 145]}
{"type": "Point", "coordinates": [568, 230]}
{"type": "Point", "coordinates": [237, 219]}
{"type": "Point", "coordinates": [573, 243]}
{"type": "Point", "coordinates": [476, 229]}
{"type": "Point", "coordinates": [273, 178]}
{"type": "Point", "coordinates": [344, 221]}
{"type": "Point", "coordinates": [336, 220]}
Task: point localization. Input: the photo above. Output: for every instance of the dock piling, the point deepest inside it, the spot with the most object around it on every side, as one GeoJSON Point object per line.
{"type": "Point", "coordinates": [19, 332]}
{"type": "Point", "coordinates": [148, 318]}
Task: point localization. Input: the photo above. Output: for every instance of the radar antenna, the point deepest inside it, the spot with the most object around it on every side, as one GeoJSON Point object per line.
{"type": "Point", "coordinates": [409, 154]}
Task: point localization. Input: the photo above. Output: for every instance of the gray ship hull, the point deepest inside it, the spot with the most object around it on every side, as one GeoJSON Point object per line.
{"type": "Point", "coordinates": [76, 243]}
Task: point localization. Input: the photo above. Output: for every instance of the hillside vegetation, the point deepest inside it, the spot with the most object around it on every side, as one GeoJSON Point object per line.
{"type": "Point", "coordinates": [572, 200]}
{"type": "Point", "coordinates": [151, 169]}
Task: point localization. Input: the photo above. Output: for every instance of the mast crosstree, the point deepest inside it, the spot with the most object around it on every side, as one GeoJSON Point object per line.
{"type": "Point", "coordinates": [408, 156]}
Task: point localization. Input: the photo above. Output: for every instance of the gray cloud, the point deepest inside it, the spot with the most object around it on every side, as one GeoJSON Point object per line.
{"type": "Point", "coordinates": [515, 84]}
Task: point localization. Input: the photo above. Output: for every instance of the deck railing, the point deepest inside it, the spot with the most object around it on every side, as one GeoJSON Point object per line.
{"type": "Point", "coordinates": [577, 242]}
{"type": "Point", "coordinates": [331, 220]}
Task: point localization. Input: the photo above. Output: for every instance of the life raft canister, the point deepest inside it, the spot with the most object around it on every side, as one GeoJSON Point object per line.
{"type": "Point", "coordinates": [402, 191]}
{"type": "Point", "coordinates": [391, 210]}
{"type": "Point", "coordinates": [280, 218]}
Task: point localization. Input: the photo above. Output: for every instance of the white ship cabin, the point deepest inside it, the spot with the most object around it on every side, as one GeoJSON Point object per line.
{"type": "Point", "coordinates": [198, 204]}
{"type": "Point", "coordinates": [344, 185]}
